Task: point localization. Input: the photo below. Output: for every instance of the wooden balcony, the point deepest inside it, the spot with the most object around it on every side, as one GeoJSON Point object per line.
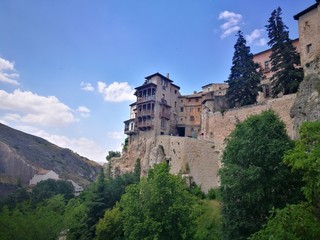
{"type": "Point", "coordinates": [165, 115]}
{"type": "Point", "coordinates": [145, 113]}
{"type": "Point", "coordinates": [146, 98]}
{"type": "Point", "coordinates": [145, 124]}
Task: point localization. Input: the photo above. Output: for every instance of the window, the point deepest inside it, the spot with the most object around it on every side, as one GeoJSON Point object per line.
{"type": "Point", "coordinates": [266, 66]}
{"type": "Point", "coordinates": [198, 109]}
{"type": "Point", "coordinates": [163, 123]}
{"type": "Point", "coordinates": [191, 109]}
{"type": "Point", "coordinates": [181, 109]}
{"type": "Point", "coordinates": [191, 118]}
{"type": "Point", "coordinates": [197, 99]}
{"type": "Point", "coordinates": [175, 104]}
{"type": "Point", "coordinates": [189, 100]}
{"type": "Point", "coordinates": [309, 48]}
{"type": "Point", "coordinates": [181, 100]}
{"type": "Point", "coordinates": [266, 91]}
{"type": "Point", "coordinates": [175, 91]}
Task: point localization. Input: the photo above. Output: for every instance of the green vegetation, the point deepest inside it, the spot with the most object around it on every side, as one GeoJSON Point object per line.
{"type": "Point", "coordinates": [284, 58]}
{"type": "Point", "coordinates": [112, 154]}
{"type": "Point", "coordinates": [254, 179]}
{"type": "Point", "coordinates": [244, 79]}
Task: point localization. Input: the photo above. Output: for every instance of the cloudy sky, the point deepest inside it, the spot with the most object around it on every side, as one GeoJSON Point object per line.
{"type": "Point", "coordinates": [68, 68]}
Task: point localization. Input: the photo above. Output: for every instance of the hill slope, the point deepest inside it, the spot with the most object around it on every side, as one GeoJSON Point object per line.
{"type": "Point", "coordinates": [22, 155]}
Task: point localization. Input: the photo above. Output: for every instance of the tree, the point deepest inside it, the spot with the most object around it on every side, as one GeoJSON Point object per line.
{"type": "Point", "coordinates": [284, 58]}
{"type": "Point", "coordinates": [301, 221]}
{"type": "Point", "coordinates": [305, 157]}
{"type": "Point", "coordinates": [159, 207]}
{"type": "Point", "coordinates": [244, 78]}
{"type": "Point", "coordinates": [254, 179]}
{"type": "Point", "coordinates": [112, 154]}
{"type": "Point", "coordinates": [49, 188]}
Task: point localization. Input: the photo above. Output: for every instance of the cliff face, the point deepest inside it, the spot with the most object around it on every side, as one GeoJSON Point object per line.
{"type": "Point", "coordinates": [22, 155]}
{"type": "Point", "coordinates": [307, 104]}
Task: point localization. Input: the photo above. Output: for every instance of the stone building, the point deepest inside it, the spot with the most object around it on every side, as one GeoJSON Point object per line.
{"type": "Point", "coordinates": [309, 33]}
{"type": "Point", "coordinates": [155, 111]}
{"type": "Point", "coordinates": [263, 59]}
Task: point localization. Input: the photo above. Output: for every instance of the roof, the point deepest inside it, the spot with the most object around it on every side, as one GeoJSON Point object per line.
{"type": "Point", "coordinates": [269, 49]}
{"type": "Point", "coordinates": [43, 172]}
{"type": "Point", "coordinates": [296, 17]}
{"type": "Point", "coordinates": [175, 85]}
{"type": "Point", "coordinates": [146, 85]}
{"type": "Point", "coordinates": [158, 74]}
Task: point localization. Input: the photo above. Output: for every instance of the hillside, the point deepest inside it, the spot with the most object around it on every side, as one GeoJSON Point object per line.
{"type": "Point", "coordinates": [22, 155]}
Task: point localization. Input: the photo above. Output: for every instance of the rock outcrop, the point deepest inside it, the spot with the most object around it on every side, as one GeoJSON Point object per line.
{"type": "Point", "coordinates": [23, 155]}
{"type": "Point", "coordinates": [307, 104]}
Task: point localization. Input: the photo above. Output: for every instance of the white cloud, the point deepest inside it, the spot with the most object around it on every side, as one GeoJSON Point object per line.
{"type": "Point", "coordinates": [255, 37]}
{"type": "Point", "coordinates": [84, 111]}
{"type": "Point", "coordinates": [262, 42]}
{"type": "Point", "coordinates": [28, 107]}
{"type": "Point", "coordinates": [116, 91]}
{"type": "Point", "coordinates": [115, 135]}
{"type": "Point", "coordinates": [233, 20]}
{"type": "Point", "coordinates": [87, 87]}
{"type": "Point", "coordinates": [8, 73]}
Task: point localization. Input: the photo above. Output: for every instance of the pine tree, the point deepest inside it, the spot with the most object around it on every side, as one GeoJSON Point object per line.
{"type": "Point", "coordinates": [284, 58]}
{"type": "Point", "coordinates": [244, 79]}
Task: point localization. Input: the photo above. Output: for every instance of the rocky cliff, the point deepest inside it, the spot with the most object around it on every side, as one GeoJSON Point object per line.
{"type": "Point", "coordinates": [307, 104]}
{"type": "Point", "coordinates": [22, 155]}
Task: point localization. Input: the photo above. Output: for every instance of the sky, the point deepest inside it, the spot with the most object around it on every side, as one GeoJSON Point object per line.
{"type": "Point", "coordinates": [68, 68]}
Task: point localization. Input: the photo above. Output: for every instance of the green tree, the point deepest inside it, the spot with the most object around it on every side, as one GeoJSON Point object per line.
{"type": "Point", "coordinates": [111, 225]}
{"type": "Point", "coordinates": [305, 157]}
{"type": "Point", "coordinates": [49, 188]}
{"type": "Point", "coordinates": [284, 58]}
{"type": "Point", "coordinates": [208, 224]}
{"type": "Point", "coordinates": [244, 78]}
{"type": "Point", "coordinates": [294, 222]}
{"type": "Point", "coordinates": [112, 154]}
{"type": "Point", "coordinates": [300, 221]}
{"type": "Point", "coordinates": [254, 179]}
{"type": "Point", "coordinates": [24, 222]}
{"type": "Point", "coordinates": [159, 207]}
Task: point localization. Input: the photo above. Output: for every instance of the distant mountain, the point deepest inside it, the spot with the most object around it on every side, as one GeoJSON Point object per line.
{"type": "Point", "coordinates": [22, 155]}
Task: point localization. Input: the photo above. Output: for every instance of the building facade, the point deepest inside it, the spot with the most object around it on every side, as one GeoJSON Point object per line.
{"type": "Point", "coordinates": [309, 33]}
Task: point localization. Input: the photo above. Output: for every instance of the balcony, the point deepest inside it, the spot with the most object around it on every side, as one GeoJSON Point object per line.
{"type": "Point", "coordinates": [129, 131]}
{"type": "Point", "coordinates": [145, 113]}
{"type": "Point", "coordinates": [165, 115]}
{"type": "Point", "coordinates": [145, 124]}
{"type": "Point", "coordinates": [146, 98]}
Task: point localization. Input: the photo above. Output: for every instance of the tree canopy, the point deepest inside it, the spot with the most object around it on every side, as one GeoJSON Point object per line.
{"type": "Point", "coordinates": [244, 79]}
{"type": "Point", "coordinates": [284, 59]}
{"type": "Point", "coordinates": [254, 179]}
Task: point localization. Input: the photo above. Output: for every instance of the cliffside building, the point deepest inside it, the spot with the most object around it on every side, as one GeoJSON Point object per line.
{"type": "Point", "coordinates": [309, 32]}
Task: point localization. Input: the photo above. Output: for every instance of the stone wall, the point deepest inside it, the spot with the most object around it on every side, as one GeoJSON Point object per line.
{"type": "Point", "coordinates": [218, 125]}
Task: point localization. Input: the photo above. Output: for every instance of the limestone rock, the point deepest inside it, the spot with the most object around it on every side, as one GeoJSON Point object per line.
{"type": "Point", "coordinates": [306, 106]}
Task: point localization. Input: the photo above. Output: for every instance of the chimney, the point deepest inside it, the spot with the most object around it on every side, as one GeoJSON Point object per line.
{"type": "Point", "coordinates": [194, 92]}
{"type": "Point", "coordinates": [168, 75]}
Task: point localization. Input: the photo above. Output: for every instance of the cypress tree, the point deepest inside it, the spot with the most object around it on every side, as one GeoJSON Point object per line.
{"type": "Point", "coordinates": [244, 79]}
{"type": "Point", "coordinates": [284, 58]}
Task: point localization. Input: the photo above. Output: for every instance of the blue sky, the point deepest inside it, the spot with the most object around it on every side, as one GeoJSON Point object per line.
{"type": "Point", "coordinates": [68, 68]}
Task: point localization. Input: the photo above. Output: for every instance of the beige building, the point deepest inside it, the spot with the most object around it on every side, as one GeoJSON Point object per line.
{"type": "Point", "coordinates": [263, 59]}
{"type": "Point", "coordinates": [309, 32]}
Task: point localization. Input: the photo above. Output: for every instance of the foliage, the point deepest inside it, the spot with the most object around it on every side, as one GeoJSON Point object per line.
{"type": "Point", "coordinates": [112, 154]}
{"type": "Point", "coordinates": [98, 198]}
{"type": "Point", "coordinates": [159, 207]}
{"type": "Point", "coordinates": [305, 157]}
{"type": "Point", "coordinates": [208, 224]}
{"type": "Point", "coordinates": [253, 177]}
{"type": "Point", "coordinates": [49, 188]}
{"type": "Point", "coordinates": [18, 196]}
{"type": "Point", "coordinates": [111, 225]}
{"type": "Point", "coordinates": [244, 79]}
{"type": "Point", "coordinates": [214, 193]}
{"type": "Point", "coordinates": [24, 222]}
{"type": "Point", "coordinates": [293, 222]}
{"type": "Point", "coordinates": [125, 144]}
{"type": "Point", "coordinates": [284, 58]}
